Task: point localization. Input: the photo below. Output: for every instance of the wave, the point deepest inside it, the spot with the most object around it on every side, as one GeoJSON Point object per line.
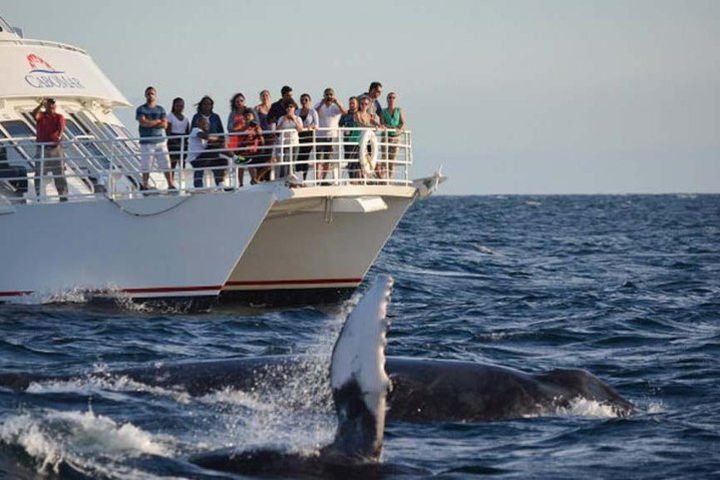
{"type": "Point", "coordinates": [79, 439]}
{"type": "Point", "coordinates": [101, 385]}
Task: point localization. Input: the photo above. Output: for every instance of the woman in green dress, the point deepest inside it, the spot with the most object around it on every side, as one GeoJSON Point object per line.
{"type": "Point", "coordinates": [393, 119]}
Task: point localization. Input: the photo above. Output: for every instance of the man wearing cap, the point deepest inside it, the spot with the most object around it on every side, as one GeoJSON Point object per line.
{"type": "Point", "coordinates": [50, 126]}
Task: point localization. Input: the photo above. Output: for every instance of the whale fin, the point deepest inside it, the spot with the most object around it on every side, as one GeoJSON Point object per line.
{"type": "Point", "coordinates": [359, 386]}
{"type": "Point", "coordinates": [358, 379]}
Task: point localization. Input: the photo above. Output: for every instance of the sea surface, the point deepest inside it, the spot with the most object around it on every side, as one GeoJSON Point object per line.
{"type": "Point", "coordinates": [627, 287]}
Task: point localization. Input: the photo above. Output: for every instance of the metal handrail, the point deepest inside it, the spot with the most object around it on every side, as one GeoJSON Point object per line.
{"type": "Point", "coordinates": [283, 156]}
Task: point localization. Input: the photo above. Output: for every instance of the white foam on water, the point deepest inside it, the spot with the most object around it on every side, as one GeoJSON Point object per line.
{"type": "Point", "coordinates": [72, 295]}
{"type": "Point", "coordinates": [582, 407]}
{"type": "Point", "coordinates": [104, 386]}
{"type": "Point", "coordinates": [655, 407]}
{"type": "Point", "coordinates": [296, 417]}
{"type": "Point", "coordinates": [84, 440]}
{"type": "Point", "coordinates": [483, 249]}
{"type": "Point", "coordinates": [238, 398]}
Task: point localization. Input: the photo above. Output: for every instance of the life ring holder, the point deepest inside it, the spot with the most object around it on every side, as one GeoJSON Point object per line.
{"type": "Point", "coordinates": [368, 161]}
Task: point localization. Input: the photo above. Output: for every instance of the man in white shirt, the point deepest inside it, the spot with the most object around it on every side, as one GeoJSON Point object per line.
{"type": "Point", "coordinates": [329, 111]}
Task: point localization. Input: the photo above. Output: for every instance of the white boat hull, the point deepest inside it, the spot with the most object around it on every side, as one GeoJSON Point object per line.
{"type": "Point", "coordinates": [156, 247]}
{"type": "Point", "coordinates": [318, 243]}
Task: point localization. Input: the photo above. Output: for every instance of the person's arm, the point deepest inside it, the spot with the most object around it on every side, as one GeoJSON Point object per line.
{"type": "Point", "coordinates": [402, 121]}
{"type": "Point", "coordinates": [298, 124]}
{"type": "Point", "coordinates": [36, 110]}
{"type": "Point", "coordinates": [57, 134]}
{"type": "Point", "coordinates": [147, 123]}
{"type": "Point", "coordinates": [340, 107]}
{"type": "Point", "coordinates": [220, 125]}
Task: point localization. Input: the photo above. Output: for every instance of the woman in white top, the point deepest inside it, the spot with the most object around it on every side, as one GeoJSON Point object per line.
{"type": "Point", "coordinates": [289, 127]}
{"type": "Point", "coordinates": [310, 120]}
{"type": "Point", "coordinates": [178, 125]}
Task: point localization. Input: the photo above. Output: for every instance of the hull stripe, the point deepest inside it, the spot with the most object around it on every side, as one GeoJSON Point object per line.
{"type": "Point", "coordinates": [204, 288]}
{"type": "Point", "coordinates": [253, 283]}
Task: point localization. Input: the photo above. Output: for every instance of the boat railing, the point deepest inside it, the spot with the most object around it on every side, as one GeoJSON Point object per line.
{"type": "Point", "coordinates": [94, 167]}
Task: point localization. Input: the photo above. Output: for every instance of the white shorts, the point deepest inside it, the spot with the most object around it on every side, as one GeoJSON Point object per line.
{"type": "Point", "coordinates": [154, 151]}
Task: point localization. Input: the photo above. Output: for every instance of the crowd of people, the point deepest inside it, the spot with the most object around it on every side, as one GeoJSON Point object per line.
{"type": "Point", "coordinates": [259, 136]}
{"type": "Point", "coordinates": [264, 133]}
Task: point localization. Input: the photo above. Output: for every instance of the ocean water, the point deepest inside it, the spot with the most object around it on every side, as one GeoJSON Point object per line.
{"type": "Point", "coordinates": [627, 287]}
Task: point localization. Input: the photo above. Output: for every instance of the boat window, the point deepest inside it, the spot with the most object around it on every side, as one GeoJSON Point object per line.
{"type": "Point", "coordinates": [77, 121]}
{"type": "Point", "coordinates": [127, 147]}
{"type": "Point", "coordinates": [29, 118]}
{"type": "Point", "coordinates": [19, 130]}
{"type": "Point", "coordinates": [72, 128]}
{"type": "Point", "coordinates": [15, 155]}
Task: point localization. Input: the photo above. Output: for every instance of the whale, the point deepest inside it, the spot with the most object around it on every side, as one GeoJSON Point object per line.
{"type": "Point", "coordinates": [422, 390]}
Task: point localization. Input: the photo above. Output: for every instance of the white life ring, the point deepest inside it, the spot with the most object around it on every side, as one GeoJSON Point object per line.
{"type": "Point", "coordinates": [368, 160]}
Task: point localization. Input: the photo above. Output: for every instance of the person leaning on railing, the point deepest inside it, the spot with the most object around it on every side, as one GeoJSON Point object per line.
{"type": "Point", "coordinates": [288, 127]}
{"type": "Point", "coordinates": [50, 126]}
{"type": "Point", "coordinates": [249, 143]}
{"type": "Point", "coordinates": [350, 144]}
{"type": "Point", "coordinates": [329, 110]}
{"type": "Point", "coordinates": [374, 92]}
{"type": "Point", "coordinates": [262, 114]}
{"type": "Point", "coordinates": [309, 118]}
{"type": "Point", "coordinates": [364, 118]}
{"type": "Point", "coordinates": [178, 125]}
{"type": "Point", "coordinates": [393, 119]}
{"type": "Point", "coordinates": [201, 140]}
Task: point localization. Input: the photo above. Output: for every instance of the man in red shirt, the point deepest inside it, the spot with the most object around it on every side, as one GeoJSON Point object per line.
{"type": "Point", "coordinates": [50, 127]}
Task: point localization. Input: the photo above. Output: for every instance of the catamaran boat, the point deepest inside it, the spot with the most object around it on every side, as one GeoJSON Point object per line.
{"type": "Point", "coordinates": [107, 238]}
{"type": "Point", "coordinates": [288, 240]}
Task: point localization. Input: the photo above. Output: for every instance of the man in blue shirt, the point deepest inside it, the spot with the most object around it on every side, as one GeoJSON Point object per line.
{"type": "Point", "coordinates": [153, 145]}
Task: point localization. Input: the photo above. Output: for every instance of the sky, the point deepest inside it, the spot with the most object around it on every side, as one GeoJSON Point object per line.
{"type": "Point", "coordinates": [510, 97]}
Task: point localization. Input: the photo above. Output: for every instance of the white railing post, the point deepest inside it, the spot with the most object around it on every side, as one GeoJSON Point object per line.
{"type": "Point", "coordinates": [42, 173]}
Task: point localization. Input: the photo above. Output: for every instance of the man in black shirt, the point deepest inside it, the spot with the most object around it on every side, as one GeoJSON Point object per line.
{"type": "Point", "coordinates": [277, 109]}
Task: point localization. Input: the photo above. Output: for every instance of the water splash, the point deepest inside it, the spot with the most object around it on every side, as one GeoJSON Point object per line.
{"type": "Point", "coordinates": [289, 407]}
{"type": "Point", "coordinates": [82, 439]}
{"type": "Point", "coordinates": [68, 296]}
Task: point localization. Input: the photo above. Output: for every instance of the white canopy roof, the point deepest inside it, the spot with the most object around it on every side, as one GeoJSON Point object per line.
{"type": "Point", "coordinates": [37, 68]}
